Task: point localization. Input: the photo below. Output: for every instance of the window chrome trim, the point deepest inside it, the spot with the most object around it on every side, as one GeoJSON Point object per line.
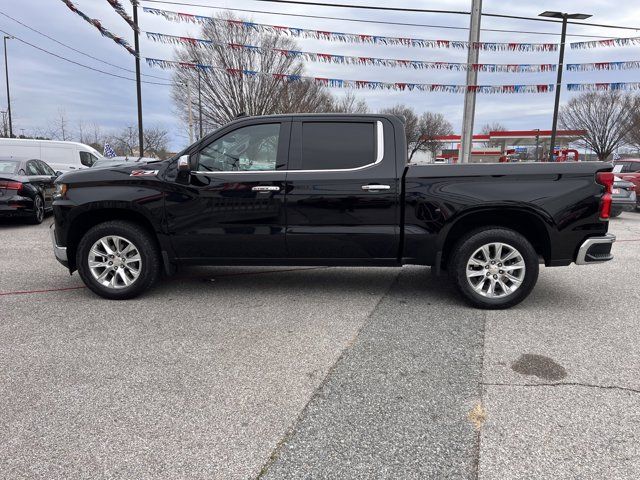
{"type": "Point", "coordinates": [379, 157]}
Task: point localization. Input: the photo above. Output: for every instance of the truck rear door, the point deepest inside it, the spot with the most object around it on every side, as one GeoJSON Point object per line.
{"type": "Point", "coordinates": [342, 190]}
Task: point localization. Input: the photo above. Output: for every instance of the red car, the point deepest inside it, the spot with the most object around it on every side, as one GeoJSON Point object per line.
{"type": "Point", "coordinates": [630, 172]}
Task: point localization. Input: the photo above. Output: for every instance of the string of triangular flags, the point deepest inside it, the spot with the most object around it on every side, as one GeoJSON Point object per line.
{"type": "Point", "coordinates": [357, 84]}
{"type": "Point", "coordinates": [352, 37]}
{"type": "Point", "coordinates": [96, 23]}
{"type": "Point", "coordinates": [354, 60]}
{"type": "Point", "coordinates": [609, 42]}
{"type": "Point", "coordinates": [117, 6]}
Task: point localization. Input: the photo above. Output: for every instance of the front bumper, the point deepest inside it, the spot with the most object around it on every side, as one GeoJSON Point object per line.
{"type": "Point", "coordinates": [595, 250]}
{"type": "Point", "coordinates": [58, 251]}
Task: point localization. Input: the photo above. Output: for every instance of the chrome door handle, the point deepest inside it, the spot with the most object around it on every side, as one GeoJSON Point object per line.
{"type": "Point", "coordinates": [375, 187]}
{"type": "Point", "coordinates": [265, 188]}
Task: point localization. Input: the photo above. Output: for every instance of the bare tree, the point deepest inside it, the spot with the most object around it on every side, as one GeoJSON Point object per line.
{"type": "Point", "coordinates": [59, 128]}
{"type": "Point", "coordinates": [633, 137]}
{"type": "Point", "coordinates": [422, 132]}
{"type": "Point", "coordinates": [432, 126]}
{"type": "Point", "coordinates": [411, 126]}
{"type": "Point", "coordinates": [226, 92]}
{"type": "Point", "coordinates": [350, 103]}
{"type": "Point", "coordinates": [605, 116]}
{"type": "Point", "coordinates": [125, 142]}
{"type": "Point", "coordinates": [4, 124]}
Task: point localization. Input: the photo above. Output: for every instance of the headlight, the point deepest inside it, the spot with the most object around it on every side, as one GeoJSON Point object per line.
{"type": "Point", "coordinates": [61, 190]}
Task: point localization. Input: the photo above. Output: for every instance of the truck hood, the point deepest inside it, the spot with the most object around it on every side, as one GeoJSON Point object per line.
{"type": "Point", "coordinates": [114, 173]}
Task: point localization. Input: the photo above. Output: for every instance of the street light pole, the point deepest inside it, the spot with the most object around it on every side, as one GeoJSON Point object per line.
{"type": "Point", "coordinates": [565, 18]}
{"type": "Point", "coordinates": [136, 44]}
{"type": "Point", "coordinates": [199, 104]}
{"type": "Point", "coordinates": [6, 74]}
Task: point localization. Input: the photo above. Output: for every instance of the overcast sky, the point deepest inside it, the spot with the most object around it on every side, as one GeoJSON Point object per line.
{"type": "Point", "coordinates": [41, 84]}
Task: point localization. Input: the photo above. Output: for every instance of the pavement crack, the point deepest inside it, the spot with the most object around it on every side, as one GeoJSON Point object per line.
{"type": "Point", "coordinates": [291, 430]}
{"type": "Point", "coordinates": [561, 384]}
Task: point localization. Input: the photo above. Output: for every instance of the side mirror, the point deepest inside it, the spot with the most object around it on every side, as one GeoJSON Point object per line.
{"type": "Point", "coordinates": [183, 164]}
{"type": "Point", "coordinates": [58, 173]}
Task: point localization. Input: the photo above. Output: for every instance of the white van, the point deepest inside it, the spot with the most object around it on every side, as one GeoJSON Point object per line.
{"type": "Point", "coordinates": [61, 156]}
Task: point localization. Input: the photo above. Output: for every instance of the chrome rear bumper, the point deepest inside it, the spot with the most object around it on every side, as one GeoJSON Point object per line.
{"type": "Point", "coordinates": [596, 250]}
{"type": "Point", "coordinates": [59, 252]}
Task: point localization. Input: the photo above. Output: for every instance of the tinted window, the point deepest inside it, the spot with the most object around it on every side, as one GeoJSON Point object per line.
{"type": "Point", "coordinates": [46, 169]}
{"type": "Point", "coordinates": [337, 145]}
{"type": "Point", "coordinates": [633, 167]}
{"type": "Point", "coordinates": [247, 148]}
{"type": "Point", "coordinates": [32, 168]}
{"type": "Point", "coordinates": [8, 166]}
{"type": "Point", "coordinates": [87, 159]}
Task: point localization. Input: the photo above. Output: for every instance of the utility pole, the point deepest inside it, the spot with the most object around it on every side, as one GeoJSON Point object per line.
{"type": "Point", "coordinates": [136, 44]}
{"type": "Point", "coordinates": [6, 74]}
{"type": "Point", "coordinates": [537, 142]}
{"type": "Point", "coordinates": [199, 104]}
{"type": "Point", "coordinates": [466, 139]}
{"type": "Point", "coordinates": [565, 18]}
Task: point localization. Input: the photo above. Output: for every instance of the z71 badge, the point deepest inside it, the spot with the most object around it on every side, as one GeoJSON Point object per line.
{"type": "Point", "coordinates": [143, 173]}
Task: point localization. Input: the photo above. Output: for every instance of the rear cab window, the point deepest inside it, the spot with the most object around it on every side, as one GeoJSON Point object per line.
{"type": "Point", "coordinates": [327, 145]}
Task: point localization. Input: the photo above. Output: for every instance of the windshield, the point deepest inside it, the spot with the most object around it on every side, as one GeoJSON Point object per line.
{"type": "Point", "coordinates": [9, 166]}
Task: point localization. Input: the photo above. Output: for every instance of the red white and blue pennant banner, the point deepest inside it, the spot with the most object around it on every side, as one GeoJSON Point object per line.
{"type": "Point", "coordinates": [358, 84]}
{"type": "Point", "coordinates": [609, 42]}
{"type": "Point", "coordinates": [353, 60]}
{"type": "Point", "coordinates": [96, 23]}
{"type": "Point", "coordinates": [353, 37]}
{"type": "Point", "coordinates": [590, 67]}
{"type": "Point", "coordinates": [117, 6]}
{"type": "Point", "coordinates": [596, 87]}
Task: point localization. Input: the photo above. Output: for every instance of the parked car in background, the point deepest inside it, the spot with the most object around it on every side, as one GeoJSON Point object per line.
{"type": "Point", "coordinates": [114, 161]}
{"type": "Point", "coordinates": [629, 169]}
{"type": "Point", "coordinates": [61, 156]}
{"type": "Point", "coordinates": [26, 188]}
{"type": "Point", "coordinates": [623, 197]}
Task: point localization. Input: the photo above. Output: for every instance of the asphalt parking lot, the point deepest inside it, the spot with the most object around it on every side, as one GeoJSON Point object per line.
{"type": "Point", "coordinates": [238, 373]}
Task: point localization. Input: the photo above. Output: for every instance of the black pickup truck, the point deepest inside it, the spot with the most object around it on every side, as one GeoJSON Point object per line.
{"type": "Point", "coordinates": [330, 190]}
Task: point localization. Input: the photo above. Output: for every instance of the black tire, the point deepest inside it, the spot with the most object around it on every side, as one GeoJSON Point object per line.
{"type": "Point", "coordinates": [37, 216]}
{"type": "Point", "coordinates": [469, 244]}
{"type": "Point", "coordinates": [149, 270]}
{"type": "Point", "coordinates": [615, 212]}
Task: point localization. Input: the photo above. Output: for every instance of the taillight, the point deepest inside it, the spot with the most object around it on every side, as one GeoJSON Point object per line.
{"type": "Point", "coordinates": [17, 186]}
{"type": "Point", "coordinates": [605, 179]}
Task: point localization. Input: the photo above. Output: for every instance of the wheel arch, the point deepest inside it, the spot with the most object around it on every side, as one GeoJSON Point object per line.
{"type": "Point", "coordinates": [86, 220]}
{"type": "Point", "coordinates": [531, 225]}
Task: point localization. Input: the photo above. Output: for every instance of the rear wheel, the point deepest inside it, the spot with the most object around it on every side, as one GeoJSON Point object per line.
{"type": "Point", "coordinates": [494, 267]}
{"type": "Point", "coordinates": [38, 211]}
{"type": "Point", "coordinates": [117, 260]}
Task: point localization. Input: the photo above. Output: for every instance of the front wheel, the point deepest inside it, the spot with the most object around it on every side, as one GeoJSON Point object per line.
{"type": "Point", "coordinates": [117, 260]}
{"type": "Point", "coordinates": [494, 267]}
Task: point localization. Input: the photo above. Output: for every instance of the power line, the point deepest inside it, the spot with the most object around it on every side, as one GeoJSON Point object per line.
{"type": "Point", "coordinates": [378, 22]}
{"type": "Point", "coordinates": [75, 49]}
{"type": "Point", "coordinates": [409, 10]}
{"type": "Point", "coordinates": [78, 63]}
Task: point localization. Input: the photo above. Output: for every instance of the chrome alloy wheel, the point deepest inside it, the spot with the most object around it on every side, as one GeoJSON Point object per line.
{"type": "Point", "coordinates": [495, 270]}
{"type": "Point", "coordinates": [115, 262]}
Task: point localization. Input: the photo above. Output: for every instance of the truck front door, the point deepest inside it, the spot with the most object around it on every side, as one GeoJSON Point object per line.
{"type": "Point", "coordinates": [233, 205]}
{"type": "Point", "coordinates": [342, 190]}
